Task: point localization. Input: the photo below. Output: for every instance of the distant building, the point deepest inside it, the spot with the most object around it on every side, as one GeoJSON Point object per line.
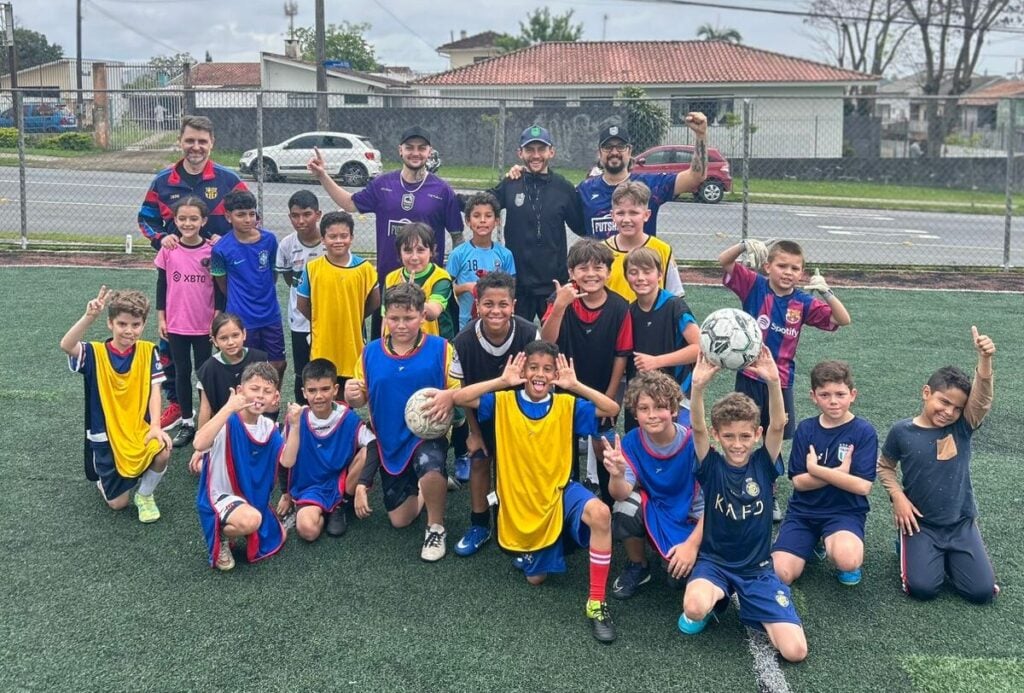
{"type": "Point", "coordinates": [470, 49]}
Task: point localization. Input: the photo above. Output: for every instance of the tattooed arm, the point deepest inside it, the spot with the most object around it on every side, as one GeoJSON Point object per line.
{"type": "Point", "coordinates": [690, 179]}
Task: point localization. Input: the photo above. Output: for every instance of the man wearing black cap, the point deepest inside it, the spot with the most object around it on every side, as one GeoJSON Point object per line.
{"type": "Point", "coordinates": [614, 153]}
{"type": "Point", "coordinates": [538, 205]}
{"type": "Point", "coordinates": [400, 197]}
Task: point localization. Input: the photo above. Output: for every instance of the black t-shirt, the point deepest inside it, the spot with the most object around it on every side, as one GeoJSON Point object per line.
{"type": "Point", "coordinates": [189, 179]}
{"type": "Point", "coordinates": [537, 209]}
{"type": "Point", "coordinates": [479, 360]}
{"type": "Point", "coordinates": [660, 331]}
{"type": "Point", "coordinates": [594, 337]}
{"type": "Point", "coordinates": [216, 378]}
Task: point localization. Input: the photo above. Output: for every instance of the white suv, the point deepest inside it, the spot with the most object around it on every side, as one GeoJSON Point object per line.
{"type": "Point", "coordinates": [352, 159]}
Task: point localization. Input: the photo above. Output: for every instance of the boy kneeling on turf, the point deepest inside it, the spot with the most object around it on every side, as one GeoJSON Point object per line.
{"type": "Point", "coordinates": [124, 443]}
{"type": "Point", "coordinates": [236, 476]}
{"type": "Point", "coordinates": [539, 508]}
{"type": "Point", "coordinates": [331, 443]}
{"type": "Point", "coordinates": [737, 483]}
{"type": "Point", "coordinates": [934, 507]}
{"type": "Point", "coordinates": [653, 481]}
{"type": "Point", "coordinates": [832, 466]}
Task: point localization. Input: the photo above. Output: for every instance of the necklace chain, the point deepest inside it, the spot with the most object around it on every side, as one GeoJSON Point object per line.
{"type": "Point", "coordinates": [417, 188]}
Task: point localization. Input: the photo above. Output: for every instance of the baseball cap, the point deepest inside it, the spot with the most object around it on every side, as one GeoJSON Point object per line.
{"type": "Point", "coordinates": [613, 132]}
{"type": "Point", "coordinates": [415, 131]}
{"type": "Point", "coordinates": [535, 133]}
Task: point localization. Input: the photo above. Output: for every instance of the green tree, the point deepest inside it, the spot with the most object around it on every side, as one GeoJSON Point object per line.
{"type": "Point", "coordinates": [646, 121]}
{"type": "Point", "coordinates": [541, 27]}
{"type": "Point", "coordinates": [33, 49]}
{"type": "Point", "coordinates": [345, 41]}
{"type": "Point", "coordinates": [707, 32]}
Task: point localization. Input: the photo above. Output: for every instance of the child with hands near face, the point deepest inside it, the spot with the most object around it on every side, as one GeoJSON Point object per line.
{"type": "Point", "coordinates": [652, 474]}
{"type": "Point", "coordinates": [737, 484]}
{"type": "Point", "coordinates": [540, 509]}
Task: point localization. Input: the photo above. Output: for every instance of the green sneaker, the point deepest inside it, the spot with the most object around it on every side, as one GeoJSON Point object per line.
{"type": "Point", "coordinates": [601, 621]}
{"type": "Point", "coordinates": [148, 512]}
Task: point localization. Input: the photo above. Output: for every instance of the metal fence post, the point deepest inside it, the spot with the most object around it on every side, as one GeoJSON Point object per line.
{"type": "Point", "coordinates": [502, 119]}
{"type": "Point", "coordinates": [22, 187]}
{"type": "Point", "coordinates": [1011, 169]}
{"type": "Point", "coordinates": [745, 205]}
{"type": "Point", "coordinates": [260, 169]}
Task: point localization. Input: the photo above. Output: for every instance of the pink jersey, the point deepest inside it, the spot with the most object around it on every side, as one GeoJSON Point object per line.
{"type": "Point", "coordinates": [189, 305]}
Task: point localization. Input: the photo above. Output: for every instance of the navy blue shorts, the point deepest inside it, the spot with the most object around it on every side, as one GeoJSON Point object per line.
{"type": "Point", "coordinates": [758, 391]}
{"type": "Point", "coordinates": [575, 532]}
{"type": "Point", "coordinates": [112, 484]}
{"type": "Point", "coordinates": [799, 535]}
{"type": "Point", "coordinates": [429, 456]}
{"type": "Point", "coordinates": [269, 339]}
{"type": "Point", "coordinates": [763, 597]}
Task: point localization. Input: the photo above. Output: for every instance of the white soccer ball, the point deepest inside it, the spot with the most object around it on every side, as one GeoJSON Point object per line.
{"type": "Point", "coordinates": [730, 338]}
{"type": "Point", "coordinates": [418, 421]}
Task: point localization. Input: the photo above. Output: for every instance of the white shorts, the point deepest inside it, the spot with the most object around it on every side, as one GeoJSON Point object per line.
{"type": "Point", "coordinates": [226, 504]}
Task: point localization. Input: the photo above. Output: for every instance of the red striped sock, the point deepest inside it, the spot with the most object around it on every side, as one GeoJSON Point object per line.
{"type": "Point", "coordinates": [600, 564]}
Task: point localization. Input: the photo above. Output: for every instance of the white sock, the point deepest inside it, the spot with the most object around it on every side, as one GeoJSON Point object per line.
{"type": "Point", "coordinates": [150, 479]}
{"type": "Point", "coordinates": [591, 461]}
{"type": "Point", "coordinates": [190, 421]}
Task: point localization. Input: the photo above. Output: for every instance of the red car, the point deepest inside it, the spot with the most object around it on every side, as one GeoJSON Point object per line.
{"type": "Point", "coordinates": [673, 158]}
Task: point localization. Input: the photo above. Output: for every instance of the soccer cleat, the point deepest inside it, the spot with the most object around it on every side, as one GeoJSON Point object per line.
{"type": "Point", "coordinates": [521, 561]}
{"type": "Point", "coordinates": [186, 432]}
{"type": "Point", "coordinates": [472, 540]}
{"type": "Point", "coordinates": [225, 561]}
{"type": "Point", "coordinates": [453, 483]}
{"type": "Point", "coordinates": [632, 578]}
{"type": "Point", "coordinates": [819, 551]}
{"type": "Point", "coordinates": [776, 511]}
{"type": "Point", "coordinates": [849, 577]}
{"type": "Point", "coordinates": [462, 465]}
{"type": "Point", "coordinates": [433, 544]}
{"type": "Point", "coordinates": [337, 522]}
{"type": "Point", "coordinates": [148, 512]}
{"type": "Point", "coordinates": [171, 416]}
{"type": "Point", "coordinates": [288, 519]}
{"type": "Point", "coordinates": [601, 621]}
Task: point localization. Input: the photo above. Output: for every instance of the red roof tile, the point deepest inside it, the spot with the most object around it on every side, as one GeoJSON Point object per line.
{"type": "Point", "coordinates": [225, 75]}
{"type": "Point", "coordinates": [642, 62]}
{"type": "Point", "coordinates": [990, 95]}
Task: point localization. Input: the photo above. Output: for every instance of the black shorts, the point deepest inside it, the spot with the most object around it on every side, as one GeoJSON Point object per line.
{"type": "Point", "coordinates": [111, 483]}
{"type": "Point", "coordinates": [430, 456]}
{"type": "Point", "coordinates": [758, 392]}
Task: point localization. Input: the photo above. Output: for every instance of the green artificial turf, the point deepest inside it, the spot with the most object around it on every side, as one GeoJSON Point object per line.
{"type": "Point", "coordinates": [93, 600]}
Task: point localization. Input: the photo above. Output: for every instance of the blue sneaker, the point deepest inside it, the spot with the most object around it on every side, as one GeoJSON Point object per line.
{"type": "Point", "coordinates": [849, 577]}
{"type": "Point", "coordinates": [692, 627]}
{"type": "Point", "coordinates": [632, 578]}
{"type": "Point", "coordinates": [462, 465]}
{"type": "Point", "coordinates": [472, 540]}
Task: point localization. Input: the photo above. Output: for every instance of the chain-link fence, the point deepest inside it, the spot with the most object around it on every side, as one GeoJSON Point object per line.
{"type": "Point", "coordinates": [854, 182]}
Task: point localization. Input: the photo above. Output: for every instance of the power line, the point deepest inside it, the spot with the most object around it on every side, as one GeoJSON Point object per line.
{"type": "Point", "coordinates": [404, 25]}
{"type": "Point", "coordinates": [129, 27]}
{"type": "Point", "coordinates": [819, 15]}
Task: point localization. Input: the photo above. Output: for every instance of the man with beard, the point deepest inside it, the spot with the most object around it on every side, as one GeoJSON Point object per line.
{"type": "Point", "coordinates": [538, 205]}
{"type": "Point", "coordinates": [194, 174]}
{"type": "Point", "coordinates": [614, 154]}
{"type": "Point", "coordinates": [399, 198]}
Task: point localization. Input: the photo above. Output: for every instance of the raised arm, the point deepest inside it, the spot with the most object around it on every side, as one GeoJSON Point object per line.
{"type": "Point", "coordinates": [605, 405]}
{"type": "Point", "coordinates": [512, 376]}
{"type": "Point", "coordinates": [979, 403]}
{"type": "Point", "coordinates": [690, 179]}
{"type": "Point", "coordinates": [767, 370]}
{"type": "Point", "coordinates": [69, 343]}
{"type": "Point", "coordinates": [564, 296]}
{"type": "Point", "coordinates": [290, 453]}
{"type": "Point", "coordinates": [318, 167]}
{"type": "Point", "coordinates": [703, 373]}
{"type": "Point", "coordinates": [208, 432]}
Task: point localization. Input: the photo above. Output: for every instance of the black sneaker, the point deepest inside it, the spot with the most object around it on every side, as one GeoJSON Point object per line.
{"type": "Point", "coordinates": [186, 432]}
{"type": "Point", "coordinates": [601, 621]}
{"type": "Point", "coordinates": [632, 578]}
{"type": "Point", "coordinates": [337, 522]}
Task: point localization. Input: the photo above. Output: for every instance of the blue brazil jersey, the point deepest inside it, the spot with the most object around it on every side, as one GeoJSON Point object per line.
{"type": "Point", "coordinates": [738, 511]}
{"type": "Point", "coordinates": [249, 269]}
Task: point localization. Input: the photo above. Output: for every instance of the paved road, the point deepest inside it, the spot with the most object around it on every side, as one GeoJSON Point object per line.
{"type": "Point", "coordinates": [106, 203]}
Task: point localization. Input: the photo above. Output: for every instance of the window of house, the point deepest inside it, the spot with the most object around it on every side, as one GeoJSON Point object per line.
{"type": "Point", "coordinates": [550, 102]}
{"type": "Point", "coordinates": [356, 99]}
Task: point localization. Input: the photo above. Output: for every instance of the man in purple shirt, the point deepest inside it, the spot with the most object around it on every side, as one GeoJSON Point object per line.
{"type": "Point", "coordinates": [398, 198]}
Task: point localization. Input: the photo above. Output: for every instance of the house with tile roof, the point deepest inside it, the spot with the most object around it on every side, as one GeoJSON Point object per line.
{"type": "Point", "coordinates": [469, 50]}
{"type": "Point", "coordinates": [796, 104]}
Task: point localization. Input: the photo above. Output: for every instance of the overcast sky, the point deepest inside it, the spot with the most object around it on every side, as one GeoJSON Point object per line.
{"type": "Point", "coordinates": [407, 32]}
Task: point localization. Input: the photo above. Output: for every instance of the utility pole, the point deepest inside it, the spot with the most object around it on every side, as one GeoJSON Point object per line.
{"type": "Point", "coordinates": [19, 116]}
{"type": "Point", "coordinates": [79, 105]}
{"type": "Point", "coordinates": [321, 69]}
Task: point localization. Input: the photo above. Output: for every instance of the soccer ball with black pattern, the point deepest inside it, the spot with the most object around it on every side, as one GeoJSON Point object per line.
{"type": "Point", "coordinates": [730, 338]}
{"type": "Point", "coordinates": [418, 421]}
